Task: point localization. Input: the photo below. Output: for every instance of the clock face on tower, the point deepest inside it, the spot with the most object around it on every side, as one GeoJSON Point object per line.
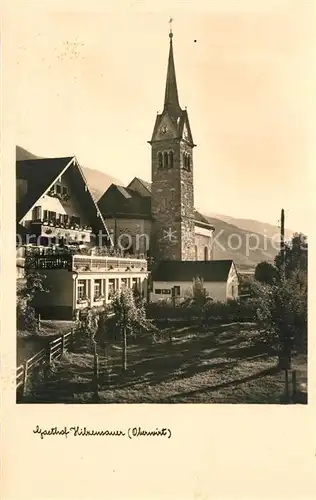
{"type": "Point", "coordinates": [163, 130]}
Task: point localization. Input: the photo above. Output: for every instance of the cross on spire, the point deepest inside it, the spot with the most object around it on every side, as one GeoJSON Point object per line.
{"type": "Point", "coordinates": [171, 103]}
{"type": "Point", "coordinates": [170, 23]}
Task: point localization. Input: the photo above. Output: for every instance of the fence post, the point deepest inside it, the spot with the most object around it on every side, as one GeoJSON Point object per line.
{"type": "Point", "coordinates": [62, 344]}
{"type": "Point", "coordinates": [96, 375]}
{"type": "Point", "coordinates": [25, 378]}
{"type": "Point", "coordinates": [49, 354]}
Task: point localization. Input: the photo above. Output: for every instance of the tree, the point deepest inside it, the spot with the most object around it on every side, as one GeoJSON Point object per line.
{"type": "Point", "coordinates": [266, 273]}
{"type": "Point", "coordinates": [296, 254]}
{"type": "Point", "coordinates": [128, 317]}
{"type": "Point", "coordinates": [32, 285]}
{"type": "Point", "coordinates": [199, 292]}
{"type": "Point", "coordinates": [282, 309]}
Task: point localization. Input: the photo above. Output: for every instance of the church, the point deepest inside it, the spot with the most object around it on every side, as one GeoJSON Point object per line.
{"type": "Point", "coordinates": [158, 218]}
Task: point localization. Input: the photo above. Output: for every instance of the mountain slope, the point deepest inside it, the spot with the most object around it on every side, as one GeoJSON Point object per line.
{"type": "Point", "coordinates": [253, 226]}
{"type": "Point", "coordinates": [246, 248]}
{"type": "Point", "coordinates": [98, 182]}
{"type": "Point", "coordinates": [245, 241]}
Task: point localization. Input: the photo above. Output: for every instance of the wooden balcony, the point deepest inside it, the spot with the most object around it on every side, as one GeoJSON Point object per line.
{"type": "Point", "coordinates": [68, 232]}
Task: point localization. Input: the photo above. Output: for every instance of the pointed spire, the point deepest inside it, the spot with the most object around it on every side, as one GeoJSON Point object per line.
{"type": "Point", "coordinates": [171, 94]}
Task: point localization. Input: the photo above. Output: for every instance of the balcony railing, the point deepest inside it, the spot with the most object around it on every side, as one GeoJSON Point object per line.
{"type": "Point", "coordinates": [82, 263]}
{"type": "Point", "coordinates": [55, 229]}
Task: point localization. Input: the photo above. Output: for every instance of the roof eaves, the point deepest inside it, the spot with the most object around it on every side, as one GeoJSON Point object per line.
{"type": "Point", "coordinates": [51, 184]}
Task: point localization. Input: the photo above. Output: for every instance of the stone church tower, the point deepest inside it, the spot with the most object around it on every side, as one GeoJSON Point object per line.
{"type": "Point", "coordinates": [173, 233]}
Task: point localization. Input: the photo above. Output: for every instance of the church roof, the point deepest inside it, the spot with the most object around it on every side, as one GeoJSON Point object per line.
{"type": "Point", "coordinates": [186, 270]}
{"type": "Point", "coordinates": [171, 103]}
{"type": "Point", "coordinates": [131, 203]}
{"type": "Point", "coordinates": [145, 183]}
{"type": "Point", "coordinates": [119, 201]}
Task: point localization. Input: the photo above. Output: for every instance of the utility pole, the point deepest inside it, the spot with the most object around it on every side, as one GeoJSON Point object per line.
{"type": "Point", "coordinates": [286, 340]}
{"type": "Point", "coordinates": [282, 244]}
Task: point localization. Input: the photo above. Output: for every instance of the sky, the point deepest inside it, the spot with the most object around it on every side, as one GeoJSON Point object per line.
{"type": "Point", "coordinates": [89, 82]}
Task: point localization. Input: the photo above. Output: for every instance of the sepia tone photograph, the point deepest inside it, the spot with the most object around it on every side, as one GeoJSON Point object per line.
{"type": "Point", "coordinates": [161, 232]}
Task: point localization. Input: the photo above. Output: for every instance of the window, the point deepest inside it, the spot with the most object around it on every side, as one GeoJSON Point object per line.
{"type": "Point", "coordinates": [75, 220]}
{"type": "Point", "coordinates": [97, 289]}
{"type": "Point", "coordinates": [82, 290]}
{"type": "Point", "coordinates": [37, 213]}
{"type": "Point", "coordinates": [166, 291]}
{"type": "Point", "coordinates": [176, 291]}
{"type": "Point", "coordinates": [189, 162]}
{"type": "Point", "coordinates": [58, 188]}
{"type": "Point", "coordinates": [171, 159]}
{"type": "Point", "coordinates": [173, 194]}
{"type": "Point", "coordinates": [111, 287]}
{"type": "Point", "coordinates": [206, 253]}
{"type": "Point", "coordinates": [160, 160]}
{"type": "Point", "coordinates": [158, 291]}
{"type": "Point", "coordinates": [165, 159]}
{"type": "Point", "coordinates": [51, 216]}
{"type": "Point", "coordinates": [186, 161]}
{"type": "Point", "coordinates": [65, 190]}
{"type": "Point", "coordinates": [45, 214]}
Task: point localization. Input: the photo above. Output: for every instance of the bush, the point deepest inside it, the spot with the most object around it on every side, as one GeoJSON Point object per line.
{"type": "Point", "coordinates": [26, 291]}
{"type": "Point", "coordinates": [210, 312]}
{"type": "Point", "coordinates": [282, 310]}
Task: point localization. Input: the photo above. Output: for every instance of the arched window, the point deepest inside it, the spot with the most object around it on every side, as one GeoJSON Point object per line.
{"type": "Point", "coordinates": [170, 159]}
{"type": "Point", "coordinates": [189, 162]}
{"type": "Point", "coordinates": [165, 158]}
{"type": "Point", "coordinates": [160, 160]}
{"type": "Point", "coordinates": [183, 159]}
{"type": "Point", "coordinates": [196, 252]}
{"type": "Point", "coordinates": [206, 253]}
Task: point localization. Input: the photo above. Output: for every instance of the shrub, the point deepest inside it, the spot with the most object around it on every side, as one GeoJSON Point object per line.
{"type": "Point", "coordinates": [26, 292]}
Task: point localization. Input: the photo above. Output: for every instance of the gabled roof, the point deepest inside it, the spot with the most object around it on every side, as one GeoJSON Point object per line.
{"type": "Point", "coordinates": [186, 270]}
{"type": "Point", "coordinates": [40, 174]}
{"type": "Point", "coordinates": [199, 218]}
{"type": "Point", "coordinates": [119, 201]}
{"type": "Point", "coordinates": [144, 183]}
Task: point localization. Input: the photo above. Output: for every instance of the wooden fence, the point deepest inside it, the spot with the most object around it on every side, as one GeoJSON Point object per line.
{"type": "Point", "coordinates": [54, 350]}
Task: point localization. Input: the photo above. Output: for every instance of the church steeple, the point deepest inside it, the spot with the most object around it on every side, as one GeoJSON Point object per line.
{"type": "Point", "coordinates": [171, 104]}
{"type": "Point", "coordinates": [172, 197]}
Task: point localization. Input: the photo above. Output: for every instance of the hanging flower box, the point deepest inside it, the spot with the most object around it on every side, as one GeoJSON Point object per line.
{"type": "Point", "coordinates": [98, 298]}
{"type": "Point", "coordinates": [83, 300]}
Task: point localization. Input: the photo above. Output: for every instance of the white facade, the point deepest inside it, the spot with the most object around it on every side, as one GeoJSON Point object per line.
{"type": "Point", "coordinates": [217, 290]}
{"type": "Point", "coordinates": [89, 283]}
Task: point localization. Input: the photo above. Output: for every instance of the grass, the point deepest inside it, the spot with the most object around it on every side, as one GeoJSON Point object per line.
{"type": "Point", "coordinates": [29, 343]}
{"type": "Point", "coordinates": [224, 364]}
